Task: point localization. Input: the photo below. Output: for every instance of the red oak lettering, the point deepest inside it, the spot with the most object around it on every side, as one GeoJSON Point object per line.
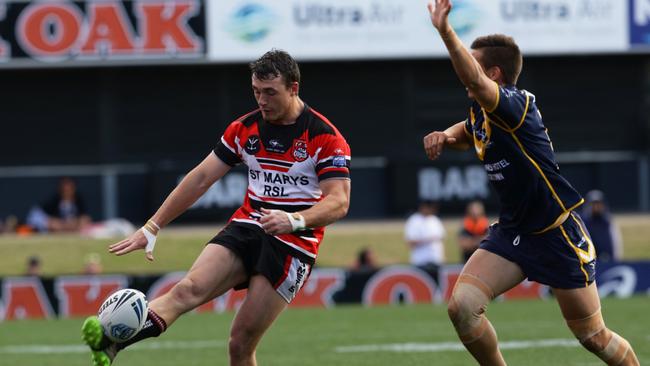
{"type": "Point", "coordinates": [386, 285]}
{"type": "Point", "coordinates": [163, 27]}
{"type": "Point", "coordinates": [108, 30]}
{"type": "Point", "coordinates": [83, 295]}
{"type": "Point", "coordinates": [49, 29]}
{"type": "Point", "coordinates": [233, 299]}
{"type": "Point", "coordinates": [525, 290]}
{"type": "Point", "coordinates": [25, 298]}
{"type": "Point", "coordinates": [319, 288]}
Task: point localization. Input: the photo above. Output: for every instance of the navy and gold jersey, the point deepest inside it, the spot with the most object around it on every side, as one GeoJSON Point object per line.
{"type": "Point", "coordinates": [513, 144]}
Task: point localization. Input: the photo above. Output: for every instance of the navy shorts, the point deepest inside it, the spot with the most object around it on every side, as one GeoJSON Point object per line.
{"type": "Point", "coordinates": [563, 257]}
{"type": "Point", "coordinates": [286, 269]}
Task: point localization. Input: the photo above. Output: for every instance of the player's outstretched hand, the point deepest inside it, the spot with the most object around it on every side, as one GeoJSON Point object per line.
{"type": "Point", "coordinates": [439, 12]}
{"type": "Point", "coordinates": [434, 143]}
{"type": "Point", "coordinates": [136, 241]}
{"type": "Point", "coordinates": [275, 222]}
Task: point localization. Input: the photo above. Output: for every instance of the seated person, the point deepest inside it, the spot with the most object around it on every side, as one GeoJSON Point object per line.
{"type": "Point", "coordinates": [64, 212]}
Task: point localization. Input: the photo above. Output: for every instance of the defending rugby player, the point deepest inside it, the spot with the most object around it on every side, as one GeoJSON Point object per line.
{"type": "Point", "coordinates": [538, 236]}
{"type": "Point", "coordinates": [298, 174]}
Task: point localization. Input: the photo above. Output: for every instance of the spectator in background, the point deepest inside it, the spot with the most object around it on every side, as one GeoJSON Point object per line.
{"type": "Point", "coordinates": [604, 233]}
{"type": "Point", "coordinates": [365, 260]}
{"type": "Point", "coordinates": [92, 264]}
{"type": "Point", "coordinates": [33, 266]}
{"type": "Point", "coordinates": [64, 212]}
{"type": "Point", "coordinates": [475, 227]}
{"type": "Point", "coordinates": [424, 234]}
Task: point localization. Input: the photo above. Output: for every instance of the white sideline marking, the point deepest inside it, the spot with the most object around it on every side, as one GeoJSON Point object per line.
{"type": "Point", "coordinates": [453, 346]}
{"type": "Point", "coordinates": [76, 348]}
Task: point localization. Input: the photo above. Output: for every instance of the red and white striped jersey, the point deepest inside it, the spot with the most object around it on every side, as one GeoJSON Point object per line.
{"type": "Point", "coordinates": [285, 165]}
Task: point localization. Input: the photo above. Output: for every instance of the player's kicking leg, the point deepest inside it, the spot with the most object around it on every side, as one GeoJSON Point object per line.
{"type": "Point", "coordinates": [262, 306]}
{"type": "Point", "coordinates": [213, 273]}
{"type": "Point", "coordinates": [485, 276]}
{"type": "Point", "coordinates": [581, 310]}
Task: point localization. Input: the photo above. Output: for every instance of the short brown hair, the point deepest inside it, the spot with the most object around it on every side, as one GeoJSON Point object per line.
{"type": "Point", "coordinates": [501, 51]}
{"type": "Point", "coordinates": [276, 63]}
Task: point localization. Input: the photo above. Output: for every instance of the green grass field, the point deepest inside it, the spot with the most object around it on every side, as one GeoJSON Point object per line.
{"type": "Point", "coordinates": [177, 247]}
{"type": "Point", "coordinates": [532, 333]}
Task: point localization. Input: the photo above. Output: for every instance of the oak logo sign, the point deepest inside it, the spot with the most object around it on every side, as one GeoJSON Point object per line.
{"type": "Point", "coordinates": [93, 30]}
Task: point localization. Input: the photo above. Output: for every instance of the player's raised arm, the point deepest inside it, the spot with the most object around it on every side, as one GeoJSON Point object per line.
{"type": "Point", "coordinates": [195, 183]}
{"type": "Point", "coordinates": [482, 87]}
{"type": "Point", "coordinates": [455, 137]}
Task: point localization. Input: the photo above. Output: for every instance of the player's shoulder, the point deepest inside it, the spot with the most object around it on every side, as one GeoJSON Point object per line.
{"type": "Point", "coordinates": [510, 91]}
{"type": "Point", "coordinates": [320, 125]}
{"type": "Point", "coordinates": [249, 118]}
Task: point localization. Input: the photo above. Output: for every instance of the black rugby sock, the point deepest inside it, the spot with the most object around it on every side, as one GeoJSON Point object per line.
{"type": "Point", "coordinates": [153, 327]}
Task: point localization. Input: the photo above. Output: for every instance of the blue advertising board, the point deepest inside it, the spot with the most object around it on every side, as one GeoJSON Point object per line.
{"type": "Point", "coordinates": [639, 20]}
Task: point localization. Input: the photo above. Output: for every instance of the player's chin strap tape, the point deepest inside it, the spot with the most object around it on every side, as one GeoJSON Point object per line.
{"type": "Point", "coordinates": [297, 221]}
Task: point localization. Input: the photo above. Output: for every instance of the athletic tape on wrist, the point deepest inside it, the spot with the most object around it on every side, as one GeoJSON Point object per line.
{"type": "Point", "coordinates": [151, 239]}
{"type": "Point", "coordinates": [153, 223]}
{"type": "Point", "coordinates": [297, 221]}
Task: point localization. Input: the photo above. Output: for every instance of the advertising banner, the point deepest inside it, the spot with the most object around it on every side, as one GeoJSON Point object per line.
{"type": "Point", "coordinates": [639, 19]}
{"type": "Point", "coordinates": [242, 30]}
{"type": "Point", "coordinates": [77, 296]}
{"type": "Point", "coordinates": [60, 32]}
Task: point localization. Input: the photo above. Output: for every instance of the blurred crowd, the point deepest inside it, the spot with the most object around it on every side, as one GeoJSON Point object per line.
{"type": "Point", "coordinates": [65, 212]}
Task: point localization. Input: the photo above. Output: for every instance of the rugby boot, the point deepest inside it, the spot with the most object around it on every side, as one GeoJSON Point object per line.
{"type": "Point", "coordinates": [102, 350]}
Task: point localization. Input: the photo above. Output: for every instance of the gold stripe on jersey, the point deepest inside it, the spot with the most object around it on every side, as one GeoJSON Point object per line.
{"type": "Point", "coordinates": [481, 146]}
{"type": "Point", "coordinates": [561, 218]}
{"type": "Point", "coordinates": [541, 172]}
{"type": "Point", "coordinates": [496, 103]}
{"type": "Point", "coordinates": [523, 117]}
{"type": "Point", "coordinates": [591, 249]}
{"type": "Point", "coordinates": [503, 125]}
{"type": "Point", "coordinates": [578, 252]}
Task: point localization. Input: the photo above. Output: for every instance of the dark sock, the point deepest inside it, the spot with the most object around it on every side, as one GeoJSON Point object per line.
{"type": "Point", "coordinates": [153, 327]}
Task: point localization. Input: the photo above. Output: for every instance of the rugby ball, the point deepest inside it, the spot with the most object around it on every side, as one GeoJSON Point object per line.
{"type": "Point", "coordinates": [123, 314]}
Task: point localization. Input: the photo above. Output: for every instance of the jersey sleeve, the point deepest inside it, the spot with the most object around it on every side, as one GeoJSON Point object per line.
{"type": "Point", "coordinates": [511, 107]}
{"type": "Point", "coordinates": [228, 149]}
{"type": "Point", "coordinates": [467, 127]}
{"type": "Point", "coordinates": [333, 159]}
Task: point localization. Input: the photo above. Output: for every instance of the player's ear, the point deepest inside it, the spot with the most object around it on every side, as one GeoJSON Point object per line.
{"type": "Point", "coordinates": [494, 73]}
{"type": "Point", "coordinates": [294, 88]}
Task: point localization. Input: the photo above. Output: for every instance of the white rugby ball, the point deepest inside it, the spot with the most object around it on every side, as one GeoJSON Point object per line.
{"type": "Point", "coordinates": [123, 314]}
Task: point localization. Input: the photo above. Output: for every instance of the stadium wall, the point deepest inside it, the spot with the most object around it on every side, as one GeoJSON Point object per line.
{"type": "Point", "coordinates": [77, 296]}
{"type": "Point", "coordinates": [133, 131]}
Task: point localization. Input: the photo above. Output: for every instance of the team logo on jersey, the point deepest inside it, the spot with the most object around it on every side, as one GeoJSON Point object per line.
{"type": "Point", "coordinates": [300, 150]}
{"type": "Point", "coordinates": [482, 134]}
{"type": "Point", "coordinates": [252, 146]}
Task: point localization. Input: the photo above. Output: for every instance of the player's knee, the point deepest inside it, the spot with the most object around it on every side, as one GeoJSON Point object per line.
{"type": "Point", "coordinates": [590, 331]}
{"type": "Point", "coordinates": [610, 347]}
{"type": "Point", "coordinates": [466, 305]}
{"type": "Point", "coordinates": [241, 344]}
{"type": "Point", "coordinates": [187, 292]}
{"type": "Point", "coordinates": [597, 342]}
{"type": "Point", "coordinates": [595, 337]}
